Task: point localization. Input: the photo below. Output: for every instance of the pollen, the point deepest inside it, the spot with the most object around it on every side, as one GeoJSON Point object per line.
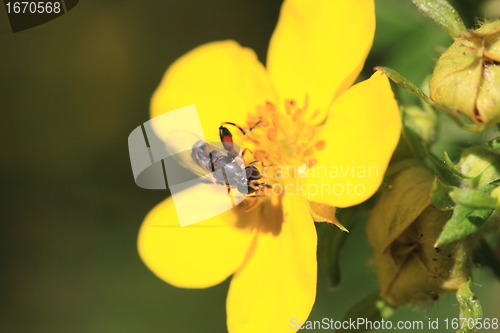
{"type": "Point", "coordinates": [286, 138]}
{"type": "Point", "coordinates": [272, 134]}
{"type": "Point", "coordinates": [320, 145]}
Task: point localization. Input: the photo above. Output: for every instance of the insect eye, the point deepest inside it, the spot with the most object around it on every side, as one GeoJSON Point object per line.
{"type": "Point", "coordinates": [252, 173]}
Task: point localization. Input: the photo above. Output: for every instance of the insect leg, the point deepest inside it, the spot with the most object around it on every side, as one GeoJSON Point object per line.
{"type": "Point", "coordinates": [257, 194]}
{"type": "Point", "coordinates": [244, 151]}
{"type": "Point", "coordinates": [259, 190]}
{"type": "Point", "coordinates": [261, 174]}
{"type": "Point", "coordinates": [266, 185]}
{"type": "Point", "coordinates": [241, 128]}
{"type": "Point", "coordinates": [254, 162]}
{"type": "Point", "coordinates": [230, 195]}
{"type": "Point", "coordinates": [255, 125]}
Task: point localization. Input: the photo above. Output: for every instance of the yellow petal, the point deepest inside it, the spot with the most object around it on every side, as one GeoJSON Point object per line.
{"type": "Point", "coordinates": [199, 255]}
{"type": "Point", "coordinates": [223, 79]}
{"type": "Point", "coordinates": [362, 131]}
{"type": "Point", "coordinates": [276, 288]}
{"type": "Point", "coordinates": [319, 47]}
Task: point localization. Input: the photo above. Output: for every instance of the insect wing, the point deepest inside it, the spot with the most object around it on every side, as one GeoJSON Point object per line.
{"type": "Point", "coordinates": [202, 159]}
{"type": "Point", "coordinates": [180, 145]}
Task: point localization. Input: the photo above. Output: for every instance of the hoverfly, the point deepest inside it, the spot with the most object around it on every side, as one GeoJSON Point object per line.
{"type": "Point", "coordinates": [219, 163]}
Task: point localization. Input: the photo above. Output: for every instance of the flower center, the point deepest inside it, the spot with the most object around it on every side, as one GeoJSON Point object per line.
{"type": "Point", "coordinates": [284, 142]}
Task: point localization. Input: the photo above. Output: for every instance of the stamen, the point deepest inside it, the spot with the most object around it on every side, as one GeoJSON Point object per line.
{"type": "Point", "coordinates": [275, 120]}
{"type": "Point", "coordinates": [279, 152]}
{"type": "Point", "coordinates": [252, 119]}
{"type": "Point", "coordinates": [285, 137]}
{"type": "Point", "coordinates": [306, 102]}
{"type": "Point", "coordinates": [272, 133]}
{"type": "Point", "coordinates": [254, 141]}
{"type": "Point", "coordinates": [298, 113]}
{"type": "Point", "coordinates": [320, 145]}
{"type": "Point", "coordinates": [260, 155]}
{"type": "Point", "coordinates": [311, 162]}
{"type": "Point", "coordinates": [270, 106]}
{"type": "Point", "coordinates": [293, 138]}
{"type": "Point", "coordinates": [309, 134]}
{"type": "Point", "coordinates": [314, 115]}
{"type": "Point", "coordinates": [301, 149]}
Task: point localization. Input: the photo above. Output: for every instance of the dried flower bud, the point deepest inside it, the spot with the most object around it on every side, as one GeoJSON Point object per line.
{"type": "Point", "coordinates": [402, 228]}
{"type": "Point", "coordinates": [466, 78]}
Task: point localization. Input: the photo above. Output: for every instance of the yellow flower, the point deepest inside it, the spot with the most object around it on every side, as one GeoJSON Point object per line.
{"type": "Point", "coordinates": [331, 136]}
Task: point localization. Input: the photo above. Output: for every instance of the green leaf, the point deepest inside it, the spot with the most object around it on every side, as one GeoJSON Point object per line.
{"type": "Point", "coordinates": [452, 167]}
{"type": "Point", "coordinates": [443, 14]}
{"type": "Point", "coordinates": [470, 308]}
{"type": "Point", "coordinates": [464, 221]}
{"type": "Point", "coordinates": [332, 239]}
{"type": "Point", "coordinates": [440, 195]}
{"type": "Point", "coordinates": [372, 308]}
{"type": "Point", "coordinates": [473, 199]}
{"type": "Point", "coordinates": [405, 83]}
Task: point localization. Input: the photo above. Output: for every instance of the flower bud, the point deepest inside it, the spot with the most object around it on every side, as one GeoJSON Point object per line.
{"type": "Point", "coordinates": [481, 165]}
{"type": "Point", "coordinates": [466, 78]}
{"type": "Point", "coordinates": [402, 228]}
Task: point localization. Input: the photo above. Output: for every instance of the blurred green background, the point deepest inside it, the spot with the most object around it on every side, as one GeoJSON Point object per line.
{"type": "Point", "coordinates": [72, 90]}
